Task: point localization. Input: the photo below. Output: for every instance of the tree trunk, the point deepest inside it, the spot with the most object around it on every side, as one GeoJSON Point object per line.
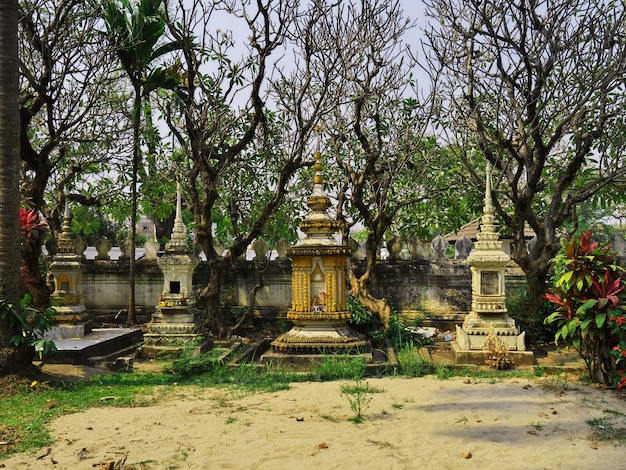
{"type": "Point", "coordinates": [12, 359]}
{"type": "Point", "coordinates": [247, 315]}
{"type": "Point", "coordinates": [210, 299]}
{"type": "Point", "coordinates": [379, 307]}
{"type": "Point", "coordinates": [359, 285]}
{"type": "Point", "coordinates": [132, 318]}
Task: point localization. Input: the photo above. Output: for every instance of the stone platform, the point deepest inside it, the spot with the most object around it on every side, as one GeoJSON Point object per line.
{"type": "Point", "coordinates": [99, 342]}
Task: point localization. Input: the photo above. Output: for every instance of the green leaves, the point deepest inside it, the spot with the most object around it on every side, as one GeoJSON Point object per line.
{"type": "Point", "coordinates": [588, 290]}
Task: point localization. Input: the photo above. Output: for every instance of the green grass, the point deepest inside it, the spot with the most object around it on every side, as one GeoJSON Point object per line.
{"type": "Point", "coordinates": [337, 367]}
{"type": "Point", "coordinates": [411, 362]}
{"type": "Point", "coordinates": [27, 413]}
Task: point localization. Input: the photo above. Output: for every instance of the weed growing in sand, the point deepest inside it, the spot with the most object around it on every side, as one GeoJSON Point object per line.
{"type": "Point", "coordinates": [611, 427]}
{"type": "Point", "coordinates": [230, 420]}
{"type": "Point", "coordinates": [358, 396]}
{"type": "Point", "coordinates": [557, 383]}
{"type": "Point", "coordinates": [328, 417]}
{"type": "Point", "coordinates": [397, 406]}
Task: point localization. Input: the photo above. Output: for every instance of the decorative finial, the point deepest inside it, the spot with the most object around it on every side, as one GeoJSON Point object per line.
{"type": "Point", "coordinates": [67, 214]}
{"type": "Point", "coordinates": [489, 209]}
{"type": "Point", "coordinates": [179, 203]}
{"type": "Point", "coordinates": [318, 179]}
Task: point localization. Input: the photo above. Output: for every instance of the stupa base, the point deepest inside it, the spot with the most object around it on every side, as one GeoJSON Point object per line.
{"type": "Point", "coordinates": [320, 338]}
{"type": "Point", "coordinates": [479, 356]}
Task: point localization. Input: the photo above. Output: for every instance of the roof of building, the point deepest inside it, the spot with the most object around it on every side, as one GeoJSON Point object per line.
{"type": "Point", "coordinates": [470, 230]}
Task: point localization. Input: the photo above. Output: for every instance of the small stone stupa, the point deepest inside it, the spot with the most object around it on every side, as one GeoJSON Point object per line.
{"type": "Point", "coordinates": [71, 317]}
{"type": "Point", "coordinates": [173, 326]}
{"type": "Point", "coordinates": [489, 314]}
{"type": "Point", "coordinates": [318, 283]}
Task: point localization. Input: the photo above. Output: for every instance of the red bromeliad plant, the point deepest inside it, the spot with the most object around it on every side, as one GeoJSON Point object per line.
{"type": "Point", "coordinates": [33, 230]}
{"type": "Point", "coordinates": [589, 290]}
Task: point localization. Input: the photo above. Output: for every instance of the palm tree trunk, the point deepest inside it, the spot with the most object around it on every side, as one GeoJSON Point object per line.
{"type": "Point", "coordinates": [11, 358]}
{"type": "Point", "coordinates": [132, 317]}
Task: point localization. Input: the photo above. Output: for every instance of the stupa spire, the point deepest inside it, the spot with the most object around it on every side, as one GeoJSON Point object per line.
{"type": "Point", "coordinates": [177, 242]}
{"type": "Point", "coordinates": [488, 236]}
{"type": "Point", "coordinates": [65, 245]}
{"type": "Point", "coordinates": [318, 226]}
{"type": "Point", "coordinates": [318, 178]}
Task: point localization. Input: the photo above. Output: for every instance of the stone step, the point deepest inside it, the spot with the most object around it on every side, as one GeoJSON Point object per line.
{"type": "Point", "coordinates": [122, 359]}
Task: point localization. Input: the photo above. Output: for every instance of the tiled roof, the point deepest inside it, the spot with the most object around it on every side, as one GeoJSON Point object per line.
{"type": "Point", "coordinates": [470, 230]}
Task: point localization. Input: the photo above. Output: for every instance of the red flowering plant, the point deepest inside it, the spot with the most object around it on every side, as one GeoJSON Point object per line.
{"type": "Point", "coordinates": [617, 323]}
{"type": "Point", "coordinates": [589, 292]}
{"type": "Point", "coordinates": [33, 229]}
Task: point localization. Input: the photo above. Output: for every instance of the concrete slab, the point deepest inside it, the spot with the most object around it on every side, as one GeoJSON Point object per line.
{"type": "Point", "coordinates": [98, 342]}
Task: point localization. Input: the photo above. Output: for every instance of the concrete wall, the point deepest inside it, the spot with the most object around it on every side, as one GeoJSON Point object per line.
{"type": "Point", "coordinates": [439, 289]}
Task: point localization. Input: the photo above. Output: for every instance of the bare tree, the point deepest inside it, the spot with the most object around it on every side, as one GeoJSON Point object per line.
{"type": "Point", "coordinates": [67, 104]}
{"type": "Point", "coordinates": [240, 153]}
{"type": "Point", "coordinates": [378, 127]}
{"type": "Point", "coordinates": [538, 88]}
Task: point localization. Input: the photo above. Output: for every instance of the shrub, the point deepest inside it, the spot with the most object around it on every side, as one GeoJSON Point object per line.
{"type": "Point", "coordinates": [29, 325]}
{"type": "Point", "coordinates": [591, 316]}
{"type": "Point", "coordinates": [528, 319]}
{"type": "Point", "coordinates": [360, 316]}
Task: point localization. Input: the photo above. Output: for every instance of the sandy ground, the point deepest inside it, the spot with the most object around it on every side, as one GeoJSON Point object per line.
{"type": "Point", "coordinates": [410, 423]}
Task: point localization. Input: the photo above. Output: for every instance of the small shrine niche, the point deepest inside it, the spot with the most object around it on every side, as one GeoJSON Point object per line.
{"type": "Point", "coordinates": [491, 283]}
{"type": "Point", "coordinates": [175, 287]}
{"type": "Point", "coordinates": [318, 289]}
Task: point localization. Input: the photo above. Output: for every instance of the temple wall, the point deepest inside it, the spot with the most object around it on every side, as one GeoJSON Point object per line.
{"type": "Point", "coordinates": [438, 288]}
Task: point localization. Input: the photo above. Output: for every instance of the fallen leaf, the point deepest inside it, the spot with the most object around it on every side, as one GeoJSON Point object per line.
{"type": "Point", "coordinates": [534, 433]}
{"type": "Point", "coordinates": [322, 445]}
{"type": "Point", "coordinates": [467, 381]}
{"type": "Point", "coordinates": [466, 454]}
